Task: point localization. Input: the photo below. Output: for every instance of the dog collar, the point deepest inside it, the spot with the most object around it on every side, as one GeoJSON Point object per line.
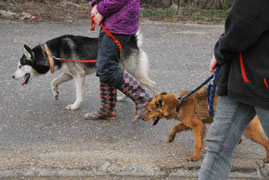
{"type": "Point", "coordinates": [50, 58]}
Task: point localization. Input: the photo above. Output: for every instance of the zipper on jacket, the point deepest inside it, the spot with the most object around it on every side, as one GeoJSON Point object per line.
{"type": "Point", "coordinates": [265, 82]}
{"type": "Point", "coordinates": [243, 69]}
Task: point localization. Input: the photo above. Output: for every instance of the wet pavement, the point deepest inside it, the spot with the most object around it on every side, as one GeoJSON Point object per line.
{"type": "Point", "coordinates": [39, 139]}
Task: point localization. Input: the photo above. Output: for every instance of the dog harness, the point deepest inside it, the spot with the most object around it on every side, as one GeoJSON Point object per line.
{"type": "Point", "coordinates": [51, 57]}
{"type": "Point", "coordinates": [210, 91]}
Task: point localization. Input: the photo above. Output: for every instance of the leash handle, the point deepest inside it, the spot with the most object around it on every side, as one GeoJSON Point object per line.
{"type": "Point", "coordinates": [92, 23]}
{"type": "Point", "coordinates": [211, 89]}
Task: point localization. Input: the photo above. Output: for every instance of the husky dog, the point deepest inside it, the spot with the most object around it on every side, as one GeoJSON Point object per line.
{"type": "Point", "coordinates": [36, 62]}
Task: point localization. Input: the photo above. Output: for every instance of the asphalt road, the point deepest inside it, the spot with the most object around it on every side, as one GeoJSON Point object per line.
{"type": "Point", "coordinates": [38, 137]}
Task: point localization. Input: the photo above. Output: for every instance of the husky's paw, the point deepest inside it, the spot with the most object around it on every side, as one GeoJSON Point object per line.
{"type": "Point", "coordinates": [55, 93]}
{"type": "Point", "coordinates": [71, 107]}
{"type": "Point", "coordinates": [56, 96]}
{"type": "Point", "coordinates": [121, 97]}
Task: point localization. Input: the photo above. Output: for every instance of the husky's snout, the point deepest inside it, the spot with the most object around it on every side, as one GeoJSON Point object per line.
{"type": "Point", "coordinates": [23, 72]}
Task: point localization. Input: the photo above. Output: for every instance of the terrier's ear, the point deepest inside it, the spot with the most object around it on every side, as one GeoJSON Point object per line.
{"type": "Point", "coordinates": [160, 103]}
{"type": "Point", "coordinates": [28, 52]}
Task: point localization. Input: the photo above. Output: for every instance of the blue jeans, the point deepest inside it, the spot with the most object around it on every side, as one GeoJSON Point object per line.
{"type": "Point", "coordinates": [108, 59]}
{"type": "Point", "coordinates": [229, 123]}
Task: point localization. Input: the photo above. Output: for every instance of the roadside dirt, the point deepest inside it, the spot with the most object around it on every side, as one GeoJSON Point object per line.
{"type": "Point", "coordinates": [66, 11]}
{"type": "Point", "coordinates": [63, 11]}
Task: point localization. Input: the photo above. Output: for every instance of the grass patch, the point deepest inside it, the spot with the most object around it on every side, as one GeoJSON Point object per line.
{"type": "Point", "coordinates": [60, 11]}
{"type": "Point", "coordinates": [15, 6]}
{"type": "Point", "coordinates": [198, 16]}
{"type": "Point", "coordinates": [186, 14]}
{"type": "Point", "coordinates": [218, 15]}
{"type": "Point", "coordinates": [211, 15]}
{"type": "Point", "coordinates": [158, 12]}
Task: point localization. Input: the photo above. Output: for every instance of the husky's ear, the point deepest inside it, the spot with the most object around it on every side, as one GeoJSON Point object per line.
{"type": "Point", "coordinates": [28, 52]}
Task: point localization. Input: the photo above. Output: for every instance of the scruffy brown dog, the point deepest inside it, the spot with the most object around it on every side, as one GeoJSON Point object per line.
{"type": "Point", "coordinates": [192, 113]}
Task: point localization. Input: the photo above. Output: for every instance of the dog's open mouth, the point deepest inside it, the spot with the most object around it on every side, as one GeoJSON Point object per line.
{"type": "Point", "coordinates": [154, 121]}
{"type": "Point", "coordinates": [25, 79]}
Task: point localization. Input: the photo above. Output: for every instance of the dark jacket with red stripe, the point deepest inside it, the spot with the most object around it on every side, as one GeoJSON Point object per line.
{"type": "Point", "coordinates": [243, 53]}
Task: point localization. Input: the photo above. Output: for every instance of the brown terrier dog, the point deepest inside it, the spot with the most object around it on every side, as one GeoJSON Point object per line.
{"type": "Point", "coordinates": [193, 113]}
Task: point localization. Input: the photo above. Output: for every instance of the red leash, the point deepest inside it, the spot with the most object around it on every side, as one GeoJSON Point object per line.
{"type": "Point", "coordinates": [93, 29]}
{"type": "Point", "coordinates": [75, 60]}
{"type": "Point", "coordinates": [107, 32]}
{"type": "Point", "coordinates": [84, 61]}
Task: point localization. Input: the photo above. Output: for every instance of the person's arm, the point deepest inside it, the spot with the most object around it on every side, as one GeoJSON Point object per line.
{"type": "Point", "coordinates": [246, 22]}
{"type": "Point", "coordinates": [107, 7]}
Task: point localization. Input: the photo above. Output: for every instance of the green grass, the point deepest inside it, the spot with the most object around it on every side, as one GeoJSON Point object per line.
{"type": "Point", "coordinates": [198, 16]}
{"type": "Point", "coordinates": [187, 13]}
{"type": "Point", "coordinates": [158, 12]}
{"type": "Point", "coordinates": [60, 11]}
{"type": "Point", "coordinates": [212, 15]}
{"type": "Point", "coordinates": [218, 14]}
{"type": "Point", "coordinates": [15, 6]}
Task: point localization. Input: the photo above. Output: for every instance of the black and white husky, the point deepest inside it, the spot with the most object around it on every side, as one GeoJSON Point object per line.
{"type": "Point", "coordinates": [35, 62]}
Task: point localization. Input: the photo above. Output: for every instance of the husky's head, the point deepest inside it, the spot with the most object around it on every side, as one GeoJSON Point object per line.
{"type": "Point", "coordinates": [33, 62]}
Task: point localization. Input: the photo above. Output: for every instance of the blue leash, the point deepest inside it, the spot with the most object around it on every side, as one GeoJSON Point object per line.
{"type": "Point", "coordinates": [211, 89]}
{"type": "Point", "coordinates": [210, 94]}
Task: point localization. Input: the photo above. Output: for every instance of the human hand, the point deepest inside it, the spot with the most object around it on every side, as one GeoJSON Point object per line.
{"type": "Point", "coordinates": [213, 64]}
{"type": "Point", "coordinates": [98, 18]}
{"type": "Point", "coordinates": [94, 10]}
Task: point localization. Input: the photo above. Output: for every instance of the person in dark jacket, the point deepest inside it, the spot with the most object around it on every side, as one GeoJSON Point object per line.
{"type": "Point", "coordinates": [242, 53]}
{"type": "Point", "coordinates": [121, 18]}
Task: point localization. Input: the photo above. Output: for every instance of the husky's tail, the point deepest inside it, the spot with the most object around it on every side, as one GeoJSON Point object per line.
{"type": "Point", "coordinates": [143, 58]}
{"type": "Point", "coordinates": [139, 38]}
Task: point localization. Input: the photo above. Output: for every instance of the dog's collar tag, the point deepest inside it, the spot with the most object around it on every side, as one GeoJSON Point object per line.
{"type": "Point", "coordinates": [51, 62]}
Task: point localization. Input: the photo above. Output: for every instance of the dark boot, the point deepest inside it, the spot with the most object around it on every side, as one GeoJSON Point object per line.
{"type": "Point", "coordinates": [135, 91]}
{"type": "Point", "coordinates": [108, 97]}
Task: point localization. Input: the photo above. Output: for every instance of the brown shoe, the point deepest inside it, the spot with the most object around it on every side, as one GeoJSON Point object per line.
{"type": "Point", "coordinates": [100, 116]}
